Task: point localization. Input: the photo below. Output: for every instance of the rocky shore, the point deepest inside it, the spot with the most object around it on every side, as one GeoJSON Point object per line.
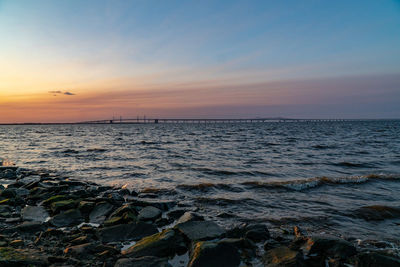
{"type": "Point", "coordinates": [46, 220]}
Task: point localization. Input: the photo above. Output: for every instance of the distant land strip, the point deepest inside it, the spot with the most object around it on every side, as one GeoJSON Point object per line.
{"type": "Point", "coordinates": [144, 120]}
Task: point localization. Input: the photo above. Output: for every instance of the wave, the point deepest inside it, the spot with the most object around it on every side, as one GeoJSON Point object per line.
{"type": "Point", "coordinates": [353, 165]}
{"type": "Point", "coordinates": [291, 185]}
{"type": "Point", "coordinates": [96, 150]}
{"type": "Point", "coordinates": [303, 184]}
{"type": "Point", "coordinates": [219, 172]}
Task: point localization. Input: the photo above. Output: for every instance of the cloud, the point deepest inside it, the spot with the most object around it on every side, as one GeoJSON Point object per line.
{"type": "Point", "coordinates": [55, 93]}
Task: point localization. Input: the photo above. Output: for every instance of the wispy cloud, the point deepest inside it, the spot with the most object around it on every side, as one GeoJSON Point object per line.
{"type": "Point", "coordinates": [55, 93]}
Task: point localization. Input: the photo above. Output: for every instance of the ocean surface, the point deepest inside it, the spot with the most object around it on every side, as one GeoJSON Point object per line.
{"type": "Point", "coordinates": [312, 174]}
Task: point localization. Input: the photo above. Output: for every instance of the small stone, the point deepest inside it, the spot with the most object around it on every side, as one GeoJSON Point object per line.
{"type": "Point", "coordinates": [67, 204]}
{"type": "Point", "coordinates": [200, 230]}
{"type": "Point", "coordinates": [67, 218]}
{"type": "Point", "coordinates": [329, 246]}
{"type": "Point", "coordinates": [100, 212]}
{"type": "Point", "coordinates": [149, 213]}
{"type": "Point", "coordinates": [30, 227]}
{"type": "Point", "coordinates": [34, 213]}
{"type": "Point", "coordinates": [17, 243]}
{"type": "Point", "coordinates": [189, 216]}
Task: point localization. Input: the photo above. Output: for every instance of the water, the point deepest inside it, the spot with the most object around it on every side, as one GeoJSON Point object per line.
{"type": "Point", "coordinates": [312, 174]}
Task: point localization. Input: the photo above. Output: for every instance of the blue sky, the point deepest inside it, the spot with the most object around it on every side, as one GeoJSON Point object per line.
{"type": "Point", "coordinates": [108, 47]}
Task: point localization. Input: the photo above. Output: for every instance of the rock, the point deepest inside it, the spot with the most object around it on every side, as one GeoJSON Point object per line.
{"type": "Point", "coordinates": [164, 244]}
{"type": "Point", "coordinates": [189, 216]}
{"type": "Point", "coordinates": [67, 204]}
{"type": "Point", "coordinates": [86, 206]}
{"type": "Point", "coordinates": [200, 230]}
{"type": "Point", "coordinates": [257, 232]}
{"type": "Point", "coordinates": [10, 257]}
{"type": "Point", "coordinates": [328, 246]}
{"type": "Point", "coordinates": [158, 203]}
{"type": "Point", "coordinates": [52, 199]}
{"type": "Point", "coordinates": [34, 213]}
{"type": "Point", "coordinates": [100, 212]}
{"type": "Point", "coordinates": [205, 254]}
{"type": "Point", "coordinates": [147, 261]}
{"type": "Point", "coordinates": [377, 213]}
{"type": "Point", "coordinates": [67, 218]}
{"type": "Point", "coordinates": [283, 257]}
{"type": "Point", "coordinates": [127, 217]}
{"type": "Point", "coordinates": [30, 227]}
{"type": "Point", "coordinates": [176, 214]}
{"type": "Point", "coordinates": [81, 251]}
{"type": "Point", "coordinates": [8, 193]}
{"type": "Point", "coordinates": [123, 232]}
{"type": "Point", "coordinates": [149, 213]}
{"type": "Point", "coordinates": [374, 259]}
{"type": "Point", "coordinates": [17, 243]}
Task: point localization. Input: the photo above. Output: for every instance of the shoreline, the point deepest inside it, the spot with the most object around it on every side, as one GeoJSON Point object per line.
{"type": "Point", "coordinates": [47, 220]}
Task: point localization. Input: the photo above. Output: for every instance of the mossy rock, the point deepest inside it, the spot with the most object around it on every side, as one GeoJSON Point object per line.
{"type": "Point", "coordinates": [6, 201]}
{"type": "Point", "coordinates": [55, 198]}
{"type": "Point", "coordinates": [127, 217]}
{"type": "Point", "coordinates": [63, 205]}
{"type": "Point", "coordinates": [86, 206]}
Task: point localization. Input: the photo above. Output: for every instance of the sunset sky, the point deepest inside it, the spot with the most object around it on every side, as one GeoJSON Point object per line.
{"type": "Point", "coordinates": [66, 61]}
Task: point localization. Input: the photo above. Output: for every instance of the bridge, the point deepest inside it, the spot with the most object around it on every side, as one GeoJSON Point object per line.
{"type": "Point", "coordinates": [143, 120]}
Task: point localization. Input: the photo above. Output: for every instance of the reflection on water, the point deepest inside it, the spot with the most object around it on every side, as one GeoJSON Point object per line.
{"type": "Point", "coordinates": [315, 174]}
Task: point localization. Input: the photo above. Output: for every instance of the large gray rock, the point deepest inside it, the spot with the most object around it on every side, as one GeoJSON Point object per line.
{"type": "Point", "coordinates": [100, 212]}
{"type": "Point", "coordinates": [147, 261]}
{"type": "Point", "coordinates": [205, 254]}
{"type": "Point", "coordinates": [283, 257]}
{"type": "Point", "coordinates": [257, 232]}
{"type": "Point", "coordinates": [123, 232]}
{"type": "Point", "coordinates": [34, 213]}
{"type": "Point", "coordinates": [67, 218]}
{"type": "Point", "coordinates": [149, 213]}
{"type": "Point", "coordinates": [200, 230]}
{"type": "Point", "coordinates": [164, 244]}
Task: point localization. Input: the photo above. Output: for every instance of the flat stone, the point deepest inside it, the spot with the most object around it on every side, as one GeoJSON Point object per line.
{"type": "Point", "coordinates": [100, 212]}
{"type": "Point", "coordinates": [200, 230]}
{"type": "Point", "coordinates": [124, 232]}
{"type": "Point", "coordinates": [166, 243]}
{"type": "Point", "coordinates": [149, 213]}
{"type": "Point", "coordinates": [147, 261]}
{"type": "Point", "coordinates": [34, 213]}
{"type": "Point", "coordinates": [67, 218]}
{"type": "Point", "coordinates": [208, 253]}
{"type": "Point", "coordinates": [30, 227]}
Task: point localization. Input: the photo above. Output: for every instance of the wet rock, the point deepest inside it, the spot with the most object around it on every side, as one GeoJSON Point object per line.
{"type": "Point", "coordinates": [373, 259]}
{"type": "Point", "coordinates": [17, 243]}
{"type": "Point", "coordinates": [123, 232]}
{"type": "Point", "coordinates": [52, 199]}
{"type": "Point", "coordinates": [283, 257]}
{"type": "Point", "coordinates": [147, 261]}
{"type": "Point", "coordinates": [8, 193]}
{"type": "Point", "coordinates": [163, 205]}
{"type": "Point", "coordinates": [67, 218]}
{"type": "Point", "coordinates": [10, 257]}
{"type": "Point", "coordinates": [164, 244]}
{"type": "Point", "coordinates": [189, 216]}
{"type": "Point", "coordinates": [126, 217]}
{"type": "Point", "coordinates": [205, 254]}
{"type": "Point", "coordinates": [377, 213]}
{"type": "Point", "coordinates": [34, 213]}
{"type": "Point", "coordinates": [149, 213]}
{"type": "Point", "coordinates": [257, 232]}
{"type": "Point", "coordinates": [200, 230]}
{"type": "Point", "coordinates": [100, 212]}
{"type": "Point", "coordinates": [333, 247]}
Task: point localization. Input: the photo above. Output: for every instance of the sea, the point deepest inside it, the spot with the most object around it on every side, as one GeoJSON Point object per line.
{"type": "Point", "coordinates": [315, 175]}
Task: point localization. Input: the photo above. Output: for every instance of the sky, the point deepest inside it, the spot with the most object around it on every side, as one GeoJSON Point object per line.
{"type": "Point", "coordinates": [69, 61]}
